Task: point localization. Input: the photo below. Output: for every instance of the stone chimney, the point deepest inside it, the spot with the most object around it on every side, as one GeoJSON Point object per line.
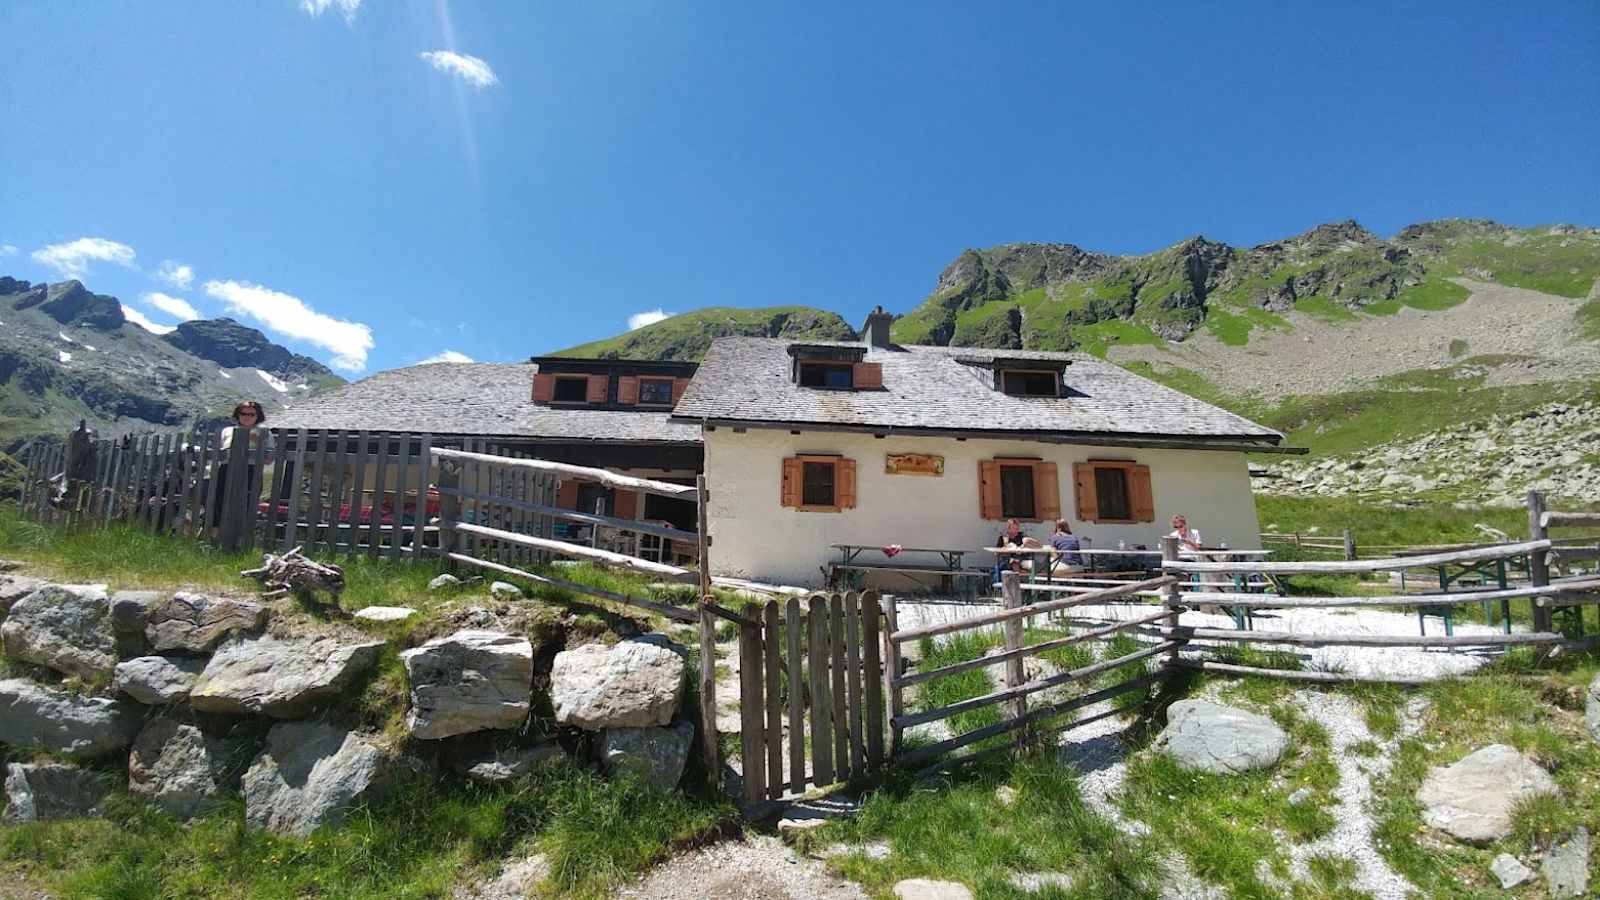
{"type": "Point", "coordinates": [876, 331]}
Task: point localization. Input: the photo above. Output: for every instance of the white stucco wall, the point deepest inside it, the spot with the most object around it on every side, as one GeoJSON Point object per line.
{"type": "Point", "coordinates": [754, 536]}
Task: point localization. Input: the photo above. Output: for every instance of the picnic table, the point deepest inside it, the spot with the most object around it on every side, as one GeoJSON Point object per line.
{"type": "Point", "coordinates": [1474, 575]}
{"type": "Point", "coordinates": [1239, 582]}
{"type": "Point", "coordinates": [949, 568]}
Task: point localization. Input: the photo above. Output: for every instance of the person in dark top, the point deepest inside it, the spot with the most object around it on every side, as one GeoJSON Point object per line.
{"type": "Point", "coordinates": [1066, 545]}
{"type": "Point", "coordinates": [1013, 537]}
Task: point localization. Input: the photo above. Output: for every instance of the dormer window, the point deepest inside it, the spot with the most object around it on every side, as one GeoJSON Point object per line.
{"type": "Point", "coordinates": [831, 375]}
{"type": "Point", "coordinates": [655, 391]}
{"type": "Point", "coordinates": [573, 389]}
{"type": "Point", "coordinates": [1030, 382]}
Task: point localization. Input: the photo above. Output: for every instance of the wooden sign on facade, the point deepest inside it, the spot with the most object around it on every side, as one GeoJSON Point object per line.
{"type": "Point", "coordinates": [913, 464]}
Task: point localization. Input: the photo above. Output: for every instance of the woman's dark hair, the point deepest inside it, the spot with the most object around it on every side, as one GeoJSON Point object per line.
{"type": "Point", "coordinates": [1063, 527]}
{"type": "Point", "coordinates": [261, 415]}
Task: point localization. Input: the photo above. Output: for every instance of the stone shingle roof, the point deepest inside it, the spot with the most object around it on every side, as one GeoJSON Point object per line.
{"type": "Point", "coordinates": [473, 399]}
{"type": "Point", "coordinates": [951, 389]}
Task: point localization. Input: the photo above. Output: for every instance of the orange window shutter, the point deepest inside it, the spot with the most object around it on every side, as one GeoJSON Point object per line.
{"type": "Point", "coordinates": [567, 495]}
{"type": "Point", "coordinates": [1088, 505]}
{"type": "Point", "coordinates": [544, 388]}
{"type": "Point", "coordinates": [628, 390]}
{"type": "Point", "coordinates": [988, 489]}
{"type": "Point", "coordinates": [790, 492]}
{"type": "Point", "coordinates": [1047, 491]}
{"type": "Point", "coordinates": [627, 504]}
{"type": "Point", "coordinates": [845, 478]}
{"type": "Point", "coordinates": [1140, 495]}
{"type": "Point", "coordinates": [598, 384]}
{"type": "Point", "coordinates": [867, 376]}
{"type": "Point", "coordinates": [679, 385]}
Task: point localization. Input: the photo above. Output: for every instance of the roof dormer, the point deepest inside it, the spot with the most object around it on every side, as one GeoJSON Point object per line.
{"type": "Point", "coordinates": [610, 383]}
{"type": "Point", "coordinates": [1024, 376]}
{"type": "Point", "coordinates": [831, 367]}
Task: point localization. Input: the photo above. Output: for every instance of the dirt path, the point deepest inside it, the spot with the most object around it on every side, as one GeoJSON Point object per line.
{"type": "Point", "coordinates": [756, 868]}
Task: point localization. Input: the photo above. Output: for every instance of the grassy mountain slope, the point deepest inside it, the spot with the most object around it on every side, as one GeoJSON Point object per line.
{"type": "Point", "coordinates": [687, 336]}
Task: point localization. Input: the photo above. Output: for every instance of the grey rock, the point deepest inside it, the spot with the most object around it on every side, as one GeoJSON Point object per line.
{"type": "Point", "coordinates": [1300, 796]}
{"type": "Point", "coordinates": [179, 768]}
{"type": "Point", "coordinates": [1211, 737]}
{"type": "Point", "coordinates": [495, 766]}
{"type": "Point", "coordinates": [469, 681]}
{"type": "Point", "coordinates": [505, 590]}
{"type": "Point", "coordinates": [284, 678]}
{"type": "Point", "coordinates": [635, 684]}
{"type": "Point", "coordinates": [1473, 798]}
{"type": "Point", "coordinates": [157, 680]}
{"type": "Point", "coordinates": [1566, 866]}
{"type": "Point", "coordinates": [195, 623]}
{"type": "Point", "coordinates": [385, 613]}
{"type": "Point", "coordinates": [1034, 882]}
{"type": "Point", "coordinates": [63, 627]}
{"type": "Point", "coordinates": [32, 715]}
{"type": "Point", "coordinates": [14, 588]}
{"type": "Point", "coordinates": [130, 613]}
{"type": "Point", "coordinates": [310, 774]}
{"type": "Point", "coordinates": [444, 582]}
{"type": "Point", "coordinates": [1510, 871]}
{"type": "Point", "coordinates": [1591, 708]}
{"type": "Point", "coordinates": [36, 792]}
{"type": "Point", "coordinates": [655, 755]}
{"type": "Point", "coordinates": [929, 889]}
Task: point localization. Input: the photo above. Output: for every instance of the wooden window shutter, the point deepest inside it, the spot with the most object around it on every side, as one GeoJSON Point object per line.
{"type": "Point", "coordinates": [567, 495]}
{"type": "Point", "coordinates": [844, 482]}
{"type": "Point", "coordinates": [598, 385]}
{"type": "Point", "coordinates": [1088, 505]}
{"type": "Point", "coordinates": [1139, 494]}
{"type": "Point", "coordinates": [544, 388]}
{"type": "Point", "coordinates": [679, 385]}
{"type": "Point", "coordinates": [988, 489]}
{"type": "Point", "coordinates": [790, 494]}
{"type": "Point", "coordinates": [1046, 491]}
{"type": "Point", "coordinates": [628, 390]}
{"type": "Point", "coordinates": [626, 504]}
{"type": "Point", "coordinates": [865, 376]}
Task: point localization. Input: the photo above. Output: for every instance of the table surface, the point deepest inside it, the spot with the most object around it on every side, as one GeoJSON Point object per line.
{"type": "Point", "coordinates": [881, 547]}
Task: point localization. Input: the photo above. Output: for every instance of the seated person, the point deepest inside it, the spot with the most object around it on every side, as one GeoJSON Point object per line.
{"type": "Point", "coordinates": [1188, 538]}
{"type": "Point", "coordinates": [1067, 545]}
{"type": "Point", "coordinates": [1013, 537]}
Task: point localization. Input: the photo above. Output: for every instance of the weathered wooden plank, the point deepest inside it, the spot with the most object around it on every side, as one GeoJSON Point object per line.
{"type": "Point", "coordinates": [141, 477]}
{"type": "Point", "coordinates": [793, 622]}
{"type": "Point", "coordinates": [379, 488]}
{"type": "Point", "coordinates": [402, 478]}
{"type": "Point", "coordinates": [752, 746]}
{"type": "Point", "coordinates": [584, 473]}
{"type": "Point", "coordinates": [836, 663]}
{"type": "Point", "coordinates": [1570, 519]}
{"type": "Point", "coordinates": [853, 710]}
{"type": "Point", "coordinates": [1459, 598]}
{"type": "Point", "coordinates": [233, 503]}
{"type": "Point", "coordinates": [175, 482]}
{"type": "Point", "coordinates": [1011, 598]}
{"type": "Point", "coordinates": [338, 472]}
{"type": "Point", "coordinates": [1361, 640]}
{"type": "Point", "coordinates": [871, 637]}
{"type": "Point", "coordinates": [258, 472]}
{"type": "Point", "coordinates": [588, 518]}
{"type": "Point", "coordinates": [108, 510]}
{"type": "Point", "coordinates": [1297, 675]}
{"type": "Point", "coordinates": [821, 692]}
{"type": "Point", "coordinates": [280, 457]}
{"type": "Point", "coordinates": [315, 518]}
{"type": "Point", "coordinates": [891, 672]}
{"type": "Point", "coordinates": [292, 495]}
{"type": "Point", "coordinates": [420, 517]}
{"type": "Point", "coordinates": [773, 666]}
{"type": "Point", "coordinates": [671, 612]}
{"type": "Point", "coordinates": [594, 555]}
{"type": "Point", "coordinates": [194, 487]}
{"type": "Point", "coordinates": [184, 494]}
{"type": "Point", "coordinates": [1029, 650]}
{"type": "Point", "coordinates": [1430, 560]}
{"type": "Point", "coordinates": [1034, 609]}
{"type": "Point", "coordinates": [358, 484]}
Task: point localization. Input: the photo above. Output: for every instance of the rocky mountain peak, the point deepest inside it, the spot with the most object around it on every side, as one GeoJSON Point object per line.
{"type": "Point", "coordinates": [232, 345]}
{"type": "Point", "coordinates": [70, 303]}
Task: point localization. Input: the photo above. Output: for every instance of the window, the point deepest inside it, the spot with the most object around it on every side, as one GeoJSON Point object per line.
{"type": "Point", "coordinates": [818, 483]}
{"type": "Point", "coordinates": [572, 390]}
{"type": "Point", "coordinates": [1029, 383]}
{"type": "Point", "coordinates": [1113, 490]}
{"type": "Point", "coordinates": [1018, 489]}
{"type": "Point", "coordinates": [835, 376]}
{"type": "Point", "coordinates": [655, 391]}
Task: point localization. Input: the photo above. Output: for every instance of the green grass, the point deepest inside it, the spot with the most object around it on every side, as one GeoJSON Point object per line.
{"type": "Point", "coordinates": [956, 830]}
{"type": "Point", "coordinates": [1587, 319]}
{"type": "Point", "coordinates": [689, 335]}
{"type": "Point", "coordinates": [1565, 265]}
{"type": "Point", "coordinates": [1432, 523]}
{"type": "Point", "coordinates": [1324, 309]}
{"type": "Point", "coordinates": [962, 685]}
{"type": "Point", "coordinates": [1233, 327]}
{"type": "Point", "coordinates": [1432, 295]}
{"type": "Point", "coordinates": [1099, 338]}
{"type": "Point", "coordinates": [595, 832]}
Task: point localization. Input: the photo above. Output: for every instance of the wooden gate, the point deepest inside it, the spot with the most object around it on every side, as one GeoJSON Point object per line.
{"type": "Point", "coordinates": [811, 693]}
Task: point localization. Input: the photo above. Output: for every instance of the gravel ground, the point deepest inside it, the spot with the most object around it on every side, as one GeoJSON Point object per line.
{"type": "Point", "coordinates": [1314, 356]}
{"type": "Point", "coordinates": [757, 868]}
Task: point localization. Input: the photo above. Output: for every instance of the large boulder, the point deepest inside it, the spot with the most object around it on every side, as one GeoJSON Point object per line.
{"type": "Point", "coordinates": [634, 684]}
{"type": "Point", "coordinates": [64, 627]}
{"type": "Point", "coordinates": [179, 768]}
{"type": "Point", "coordinates": [157, 680]}
{"type": "Point", "coordinates": [282, 678]}
{"type": "Point", "coordinates": [195, 623]}
{"type": "Point", "coordinates": [14, 588]}
{"type": "Point", "coordinates": [310, 774]}
{"type": "Point", "coordinates": [1210, 737]}
{"type": "Point", "coordinates": [468, 681]}
{"type": "Point", "coordinates": [130, 613]}
{"type": "Point", "coordinates": [36, 792]}
{"type": "Point", "coordinates": [1472, 799]}
{"type": "Point", "coordinates": [654, 755]}
{"type": "Point", "coordinates": [32, 715]}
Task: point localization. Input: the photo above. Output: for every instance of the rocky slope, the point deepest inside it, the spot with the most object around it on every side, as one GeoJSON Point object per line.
{"type": "Point", "coordinates": [67, 353]}
{"type": "Point", "coordinates": [688, 335]}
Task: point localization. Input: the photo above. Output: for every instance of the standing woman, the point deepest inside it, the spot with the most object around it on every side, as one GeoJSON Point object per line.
{"type": "Point", "coordinates": [247, 414]}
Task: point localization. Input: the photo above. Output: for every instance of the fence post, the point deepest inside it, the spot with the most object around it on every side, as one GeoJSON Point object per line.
{"type": "Point", "coordinates": [449, 508]}
{"type": "Point", "coordinates": [1538, 561]}
{"type": "Point", "coordinates": [891, 671]}
{"type": "Point", "coordinates": [708, 641]}
{"type": "Point", "coordinates": [1174, 595]}
{"type": "Point", "coordinates": [79, 469]}
{"type": "Point", "coordinates": [1011, 598]}
{"type": "Point", "coordinates": [1349, 545]}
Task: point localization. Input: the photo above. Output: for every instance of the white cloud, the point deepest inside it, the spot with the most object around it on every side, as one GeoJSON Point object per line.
{"type": "Point", "coordinates": [288, 315]}
{"type": "Point", "coordinates": [8, 249]}
{"type": "Point", "coordinates": [177, 307]}
{"type": "Point", "coordinates": [179, 275]}
{"type": "Point", "coordinates": [450, 356]}
{"type": "Point", "coordinates": [648, 317]}
{"type": "Point", "coordinates": [138, 318]}
{"type": "Point", "coordinates": [72, 259]}
{"type": "Point", "coordinates": [346, 8]}
{"type": "Point", "coordinates": [470, 69]}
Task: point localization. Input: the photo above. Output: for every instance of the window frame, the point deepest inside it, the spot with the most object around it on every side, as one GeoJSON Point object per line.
{"type": "Point", "coordinates": [1052, 374]}
{"type": "Point", "coordinates": [1099, 495]}
{"type": "Point", "coordinates": [670, 383]}
{"type": "Point", "coordinates": [837, 461]}
{"type": "Point", "coordinates": [581, 380]}
{"type": "Point", "coordinates": [832, 466]}
{"type": "Point", "coordinates": [826, 366]}
{"type": "Point", "coordinates": [1128, 468]}
{"type": "Point", "coordinates": [1033, 500]}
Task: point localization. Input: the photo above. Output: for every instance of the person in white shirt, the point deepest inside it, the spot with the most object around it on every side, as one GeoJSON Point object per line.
{"type": "Point", "coordinates": [1187, 537]}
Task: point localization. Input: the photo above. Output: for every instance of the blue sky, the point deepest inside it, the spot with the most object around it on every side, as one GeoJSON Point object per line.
{"type": "Point", "coordinates": [375, 183]}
